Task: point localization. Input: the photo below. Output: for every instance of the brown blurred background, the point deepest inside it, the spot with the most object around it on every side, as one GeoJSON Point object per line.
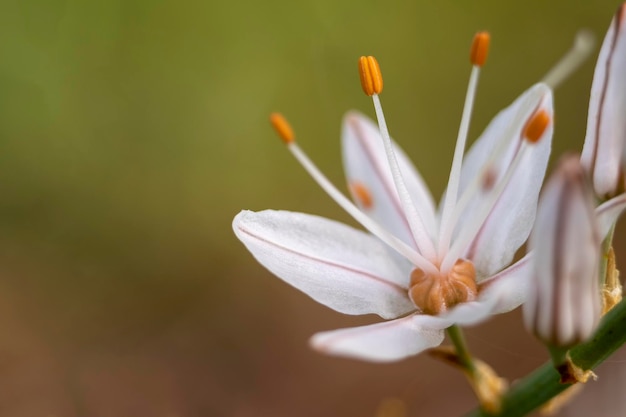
{"type": "Point", "coordinates": [131, 132]}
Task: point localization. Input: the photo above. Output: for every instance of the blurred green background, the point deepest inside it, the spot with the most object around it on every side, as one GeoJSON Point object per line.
{"type": "Point", "coordinates": [131, 132]}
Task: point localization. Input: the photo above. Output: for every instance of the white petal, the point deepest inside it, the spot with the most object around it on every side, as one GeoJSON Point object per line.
{"type": "Point", "coordinates": [508, 287]}
{"type": "Point", "coordinates": [606, 130]}
{"type": "Point", "coordinates": [471, 313]}
{"type": "Point", "coordinates": [336, 265]}
{"type": "Point", "coordinates": [509, 223]}
{"type": "Point", "coordinates": [381, 342]}
{"type": "Point", "coordinates": [608, 213]}
{"type": "Point", "coordinates": [498, 294]}
{"type": "Point", "coordinates": [365, 163]}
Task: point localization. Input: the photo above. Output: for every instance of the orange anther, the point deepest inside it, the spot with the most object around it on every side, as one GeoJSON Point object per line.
{"type": "Point", "coordinates": [371, 77]}
{"type": "Point", "coordinates": [282, 127]}
{"type": "Point", "coordinates": [480, 48]}
{"type": "Point", "coordinates": [536, 125]}
{"type": "Point", "coordinates": [362, 194]}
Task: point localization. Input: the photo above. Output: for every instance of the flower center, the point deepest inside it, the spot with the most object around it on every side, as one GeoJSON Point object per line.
{"type": "Point", "coordinates": [436, 293]}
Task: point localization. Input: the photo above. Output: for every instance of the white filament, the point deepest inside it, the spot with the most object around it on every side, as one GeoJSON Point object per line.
{"type": "Point", "coordinates": [476, 183]}
{"type": "Point", "coordinates": [369, 224]}
{"type": "Point", "coordinates": [416, 223]}
{"type": "Point", "coordinates": [445, 230]}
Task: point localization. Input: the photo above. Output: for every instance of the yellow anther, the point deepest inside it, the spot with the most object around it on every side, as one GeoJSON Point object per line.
{"type": "Point", "coordinates": [282, 127]}
{"type": "Point", "coordinates": [536, 126]}
{"type": "Point", "coordinates": [362, 194]}
{"type": "Point", "coordinates": [371, 77]}
{"type": "Point", "coordinates": [480, 48]}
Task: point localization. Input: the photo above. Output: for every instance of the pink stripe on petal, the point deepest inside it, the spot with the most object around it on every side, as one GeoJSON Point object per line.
{"type": "Point", "coordinates": [338, 266]}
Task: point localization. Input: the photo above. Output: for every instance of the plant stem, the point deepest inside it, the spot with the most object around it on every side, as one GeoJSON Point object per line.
{"type": "Point", "coordinates": [558, 355]}
{"type": "Point", "coordinates": [543, 384]}
{"type": "Point", "coordinates": [456, 336]}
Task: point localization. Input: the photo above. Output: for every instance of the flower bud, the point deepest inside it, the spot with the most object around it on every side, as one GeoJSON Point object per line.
{"type": "Point", "coordinates": [563, 303]}
{"type": "Point", "coordinates": [604, 152]}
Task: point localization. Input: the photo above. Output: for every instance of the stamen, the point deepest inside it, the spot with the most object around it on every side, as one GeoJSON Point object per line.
{"type": "Point", "coordinates": [282, 127]}
{"type": "Point", "coordinates": [417, 225]}
{"type": "Point", "coordinates": [537, 124]}
{"type": "Point", "coordinates": [369, 224]}
{"type": "Point", "coordinates": [476, 222]}
{"type": "Point", "coordinates": [371, 77]}
{"type": "Point", "coordinates": [362, 194]}
{"type": "Point", "coordinates": [480, 46]}
{"type": "Point", "coordinates": [581, 49]}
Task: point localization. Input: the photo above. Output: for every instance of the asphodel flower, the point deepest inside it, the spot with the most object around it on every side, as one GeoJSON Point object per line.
{"type": "Point", "coordinates": [423, 267]}
{"type": "Point", "coordinates": [563, 306]}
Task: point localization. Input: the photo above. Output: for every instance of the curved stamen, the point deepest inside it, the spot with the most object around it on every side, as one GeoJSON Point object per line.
{"type": "Point", "coordinates": [369, 224]}
{"type": "Point", "coordinates": [480, 47]}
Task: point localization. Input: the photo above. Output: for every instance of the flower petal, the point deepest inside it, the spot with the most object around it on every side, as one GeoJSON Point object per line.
{"type": "Point", "coordinates": [608, 213]}
{"type": "Point", "coordinates": [606, 130]}
{"type": "Point", "coordinates": [508, 287]}
{"type": "Point", "coordinates": [336, 265]}
{"type": "Point", "coordinates": [366, 165]}
{"type": "Point", "coordinates": [381, 342]}
{"type": "Point", "coordinates": [498, 294]}
{"type": "Point", "coordinates": [509, 223]}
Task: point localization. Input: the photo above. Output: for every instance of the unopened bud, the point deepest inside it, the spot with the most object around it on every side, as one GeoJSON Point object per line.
{"type": "Point", "coordinates": [604, 152]}
{"type": "Point", "coordinates": [563, 306]}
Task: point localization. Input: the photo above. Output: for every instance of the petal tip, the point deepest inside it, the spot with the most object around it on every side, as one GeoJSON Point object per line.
{"type": "Point", "coordinates": [240, 218]}
{"type": "Point", "coordinates": [353, 117]}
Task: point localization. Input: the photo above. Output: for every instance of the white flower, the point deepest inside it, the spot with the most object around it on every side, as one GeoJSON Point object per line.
{"type": "Point", "coordinates": [563, 306]}
{"type": "Point", "coordinates": [436, 267]}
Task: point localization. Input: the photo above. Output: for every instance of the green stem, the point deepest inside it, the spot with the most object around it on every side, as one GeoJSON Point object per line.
{"type": "Point", "coordinates": [558, 355]}
{"type": "Point", "coordinates": [604, 255]}
{"type": "Point", "coordinates": [465, 358]}
{"type": "Point", "coordinates": [543, 384]}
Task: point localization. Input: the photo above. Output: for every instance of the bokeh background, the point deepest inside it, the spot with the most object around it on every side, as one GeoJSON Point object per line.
{"type": "Point", "coordinates": [131, 132]}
